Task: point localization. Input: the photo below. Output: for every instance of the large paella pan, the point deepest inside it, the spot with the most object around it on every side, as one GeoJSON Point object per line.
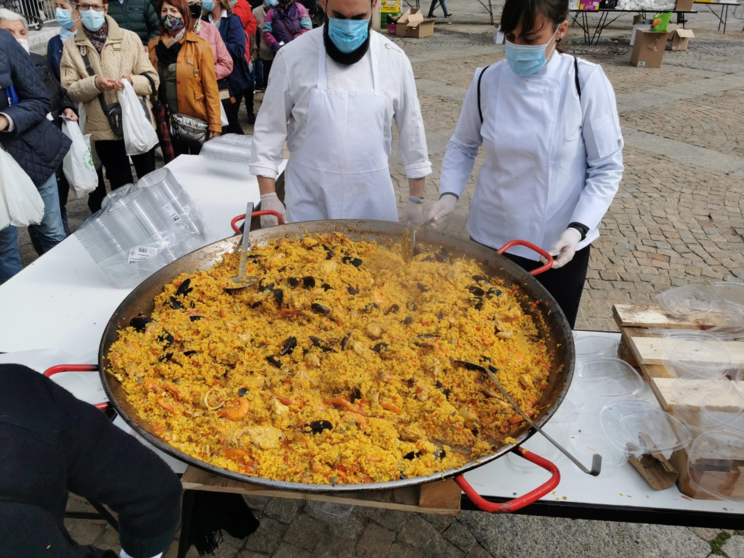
{"type": "Point", "coordinates": [551, 325]}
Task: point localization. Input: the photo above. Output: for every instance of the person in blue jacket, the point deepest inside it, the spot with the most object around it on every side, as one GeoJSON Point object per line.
{"type": "Point", "coordinates": [35, 144]}
{"type": "Point", "coordinates": [219, 13]}
{"type": "Point", "coordinates": [69, 21]}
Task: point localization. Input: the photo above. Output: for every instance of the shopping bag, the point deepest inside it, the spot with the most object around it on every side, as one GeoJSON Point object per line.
{"type": "Point", "coordinates": [78, 163]}
{"type": "Point", "coordinates": [139, 135]}
{"type": "Point", "coordinates": [21, 200]}
{"type": "Point", "coordinates": [223, 116]}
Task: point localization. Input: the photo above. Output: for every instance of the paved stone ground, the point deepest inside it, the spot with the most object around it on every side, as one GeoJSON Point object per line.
{"type": "Point", "coordinates": [677, 220]}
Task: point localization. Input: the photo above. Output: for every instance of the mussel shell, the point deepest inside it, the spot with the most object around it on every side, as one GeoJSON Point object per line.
{"type": "Point", "coordinates": [185, 288]}
{"type": "Point", "coordinates": [320, 309]}
{"type": "Point", "coordinates": [319, 426]}
{"type": "Point", "coordinates": [289, 346]}
{"type": "Point", "coordinates": [139, 323]}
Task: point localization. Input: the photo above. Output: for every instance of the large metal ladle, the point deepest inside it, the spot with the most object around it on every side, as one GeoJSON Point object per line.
{"type": "Point", "coordinates": [596, 458]}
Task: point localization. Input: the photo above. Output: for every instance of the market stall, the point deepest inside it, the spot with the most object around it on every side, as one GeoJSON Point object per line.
{"type": "Point", "coordinates": [77, 303]}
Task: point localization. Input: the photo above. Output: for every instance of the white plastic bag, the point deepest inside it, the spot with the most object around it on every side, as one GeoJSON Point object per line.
{"type": "Point", "coordinates": [139, 135]}
{"type": "Point", "coordinates": [20, 198]}
{"type": "Point", "coordinates": [223, 115]}
{"type": "Point", "coordinates": [78, 163]}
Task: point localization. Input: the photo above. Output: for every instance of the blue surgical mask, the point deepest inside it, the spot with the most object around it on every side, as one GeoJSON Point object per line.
{"type": "Point", "coordinates": [93, 20]}
{"type": "Point", "coordinates": [270, 3]}
{"type": "Point", "coordinates": [525, 60]}
{"type": "Point", "coordinates": [64, 18]}
{"type": "Point", "coordinates": [207, 5]}
{"type": "Point", "coordinates": [348, 34]}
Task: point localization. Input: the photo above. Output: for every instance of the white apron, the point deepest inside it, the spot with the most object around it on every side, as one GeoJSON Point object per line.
{"type": "Point", "coordinates": [513, 190]}
{"type": "Point", "coordinates": [342, 171]}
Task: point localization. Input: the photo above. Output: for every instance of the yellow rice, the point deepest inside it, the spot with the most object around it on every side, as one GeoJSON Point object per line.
{"type": "Point", "coordinates": [378, 370]}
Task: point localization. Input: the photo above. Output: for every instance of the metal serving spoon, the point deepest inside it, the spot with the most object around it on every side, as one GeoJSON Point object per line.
{"type": "Point", "coordinates": [242, 281]}
{"type": "Point", "coordinates": [596, 458]}
{"type": "Point", "coordinates": [409, 239]}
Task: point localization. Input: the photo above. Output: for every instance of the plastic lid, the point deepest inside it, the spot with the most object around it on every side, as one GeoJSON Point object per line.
{"type": "Point", "coordinates": [609, 378]}
{"type": "Point", "coordinates": [722, 405]}
{"type": "Point", "coordinates": [595, 346]}
{"type": "Point", "coordinates": [730, 293]}
{"type": "Point", "coordinates": [644, 425]}
{"type": "Point", "coordinates": [698, 354]}
{"type": "Point", "coordinates": [687, 300]}
{"type": "Point", "coordinates": [587, 438]}
{"type": "Point", "coordinates": [713, 464]}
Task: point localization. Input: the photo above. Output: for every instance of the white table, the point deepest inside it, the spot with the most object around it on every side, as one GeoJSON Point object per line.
{"type": "Point", "coordinates": [724, 4]}
{"type": "Point", "coordinates": [54, 312]}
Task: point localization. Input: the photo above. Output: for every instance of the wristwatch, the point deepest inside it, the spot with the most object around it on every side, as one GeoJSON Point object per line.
{"type": "Point", "coordinates": [583, 229]}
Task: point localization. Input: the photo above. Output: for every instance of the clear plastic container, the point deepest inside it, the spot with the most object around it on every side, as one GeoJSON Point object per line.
{"type": "Point", "coordinates": [730, 294]}
{"type": "Point", "coordinates": [606, 379]}
{"type": "Point", "coordinates": [713, 464]}
{"type": "Point", "coordinates": [624, 422]}
{"type": "Point", "coordinates": [227, 154]}
{"type": "Point", "coordinates": [114, 195]}
{"type": "Point", "coordinates": [697, 354]}
{"type": "Point", "coordinates": [595, 346]}
{"type": "Point", "coordinates": [723, 406]}
{"type": "Point", "coordinates": [587, 438]}
{"type": "Point", "coordinates": [687, 301]}
{"type": "Point", "coordinates": [330, 512]}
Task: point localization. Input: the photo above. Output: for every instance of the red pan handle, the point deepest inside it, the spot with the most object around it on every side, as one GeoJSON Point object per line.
{"type": "Point", "coordinates": [531, 246]}
{"type": "Point", "coordinates": [76, 368]}
{"type": "Point", "coordinates": [521, 501]}
{"type": "Point", "coordinates": [234, 222]}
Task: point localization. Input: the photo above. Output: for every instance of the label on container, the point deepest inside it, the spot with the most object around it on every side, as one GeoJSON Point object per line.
{"type": "Point", "coordinates": [142, 253]}
{"type": "Point", "coordinates": [171, 212]}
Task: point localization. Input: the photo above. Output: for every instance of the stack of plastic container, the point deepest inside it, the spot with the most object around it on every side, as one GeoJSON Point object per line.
{"type": "Point", "coordinates": [227, 154]}
{"type": "Point", "coordinates": [141, 229]}
{"type": "Point", "coordinates": [706, 395]}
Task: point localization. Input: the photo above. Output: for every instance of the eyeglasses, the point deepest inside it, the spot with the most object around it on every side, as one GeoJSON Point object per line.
{"type": "Point", "coordinates": [86, 7]}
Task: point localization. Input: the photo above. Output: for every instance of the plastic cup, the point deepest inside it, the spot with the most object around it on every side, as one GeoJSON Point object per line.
{"type": "Point", "coordinates": [642, 425]}
{"type": "Point", "coordinates": [330, 512]}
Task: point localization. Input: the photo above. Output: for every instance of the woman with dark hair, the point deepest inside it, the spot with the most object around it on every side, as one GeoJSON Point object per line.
{"type": "Point", "coordinates": [549, 126]}
{"type": "Point", "coordinates": [188, 85]}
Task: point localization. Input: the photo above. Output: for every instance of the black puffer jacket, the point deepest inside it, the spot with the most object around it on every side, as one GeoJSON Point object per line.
{"type": "Point", "coordinates": [35, 143]}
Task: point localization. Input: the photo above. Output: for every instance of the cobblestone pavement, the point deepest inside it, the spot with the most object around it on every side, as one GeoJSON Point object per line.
{"type": "Point", "coordinates": [676, 220]}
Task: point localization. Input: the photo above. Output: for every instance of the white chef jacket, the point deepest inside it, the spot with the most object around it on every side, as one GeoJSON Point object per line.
{"type": "Point", "coordinates": [551, 158]}
{"type": "Point", "coordinates": [294, 75]}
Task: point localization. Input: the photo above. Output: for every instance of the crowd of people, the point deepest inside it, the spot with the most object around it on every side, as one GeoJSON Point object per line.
{"type": "Point", "coordinates": [199, 59]}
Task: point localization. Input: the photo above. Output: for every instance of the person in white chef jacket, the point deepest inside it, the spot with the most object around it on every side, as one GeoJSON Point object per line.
{"type": "Point", "coordinates": [333, 95]}
{"type": "Point", "coordinates": [549, 126]}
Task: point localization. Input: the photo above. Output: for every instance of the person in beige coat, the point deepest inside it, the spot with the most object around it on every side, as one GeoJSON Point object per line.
{"type": "Point", "coordinates": [114, 54]}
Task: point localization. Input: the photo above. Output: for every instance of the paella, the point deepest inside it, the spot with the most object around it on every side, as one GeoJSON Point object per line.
{"type": "Point", "coordinates": [339, 364]}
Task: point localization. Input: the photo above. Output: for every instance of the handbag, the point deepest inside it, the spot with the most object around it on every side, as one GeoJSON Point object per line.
{"type": "Point", "coordinates": [161, 118]}
{"type": "Point", "coordinates": [188, 129]}
{"type": "Point", "coordinates": [112, 111]}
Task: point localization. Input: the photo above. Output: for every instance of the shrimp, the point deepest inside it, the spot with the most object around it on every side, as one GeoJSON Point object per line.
{"type": "Point", "coordinates": [344, 404]}
{"type": "Point", "coordinates": [238, 455]}
{"type": "Point", "coordinates": [236, 413]}
{"type": "Point", "coordinates": [390, 406]}
{"type": "Point", "coordinates": [167, 406]}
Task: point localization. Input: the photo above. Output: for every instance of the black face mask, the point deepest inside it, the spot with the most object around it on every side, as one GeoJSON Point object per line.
{"type": "Point", "coordinates": [345, 58]}
{"type": "Point", "coordinates": [195, 10]}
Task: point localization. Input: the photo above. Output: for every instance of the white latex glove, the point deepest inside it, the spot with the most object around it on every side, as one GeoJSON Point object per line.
{"type": "Point", "coordinates": [563, 251]}
{"type": "Point", "coordinates": [413, 214]}
{"type": "Point", "coordinates": [271, 202]}
{"type": "Point", "coordinates": [442, 211]}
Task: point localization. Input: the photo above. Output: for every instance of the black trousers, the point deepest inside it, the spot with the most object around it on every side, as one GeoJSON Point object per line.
{"type": "Point", "coordinates": [231, 110]}
{"type": "Point", "coordinates": [565, 284]}
{"type": "Point", "coordinates": [114, 158]}
{"type": "Point", "coordinates": [184, 149]}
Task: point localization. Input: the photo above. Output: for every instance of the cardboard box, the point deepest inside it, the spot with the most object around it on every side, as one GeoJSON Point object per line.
{"type": "Point", "coordinates": [648, 49]}
{"type": "Point", "coordinates": [677, 38]}
{"type": "Point", "coordinates": [684, 5]}
{"type": "Point", "coordinates": [412, 24]}
{"type": "Point", "coordinates": [638, 19]}
{"type": "Point", "coordinates": [390, 6]}
{"type": "Point", "coordinates": [640, 24]}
